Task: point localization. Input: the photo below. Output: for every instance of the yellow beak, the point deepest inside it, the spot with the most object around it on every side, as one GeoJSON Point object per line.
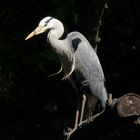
{"type": "Point", "coordinates": [30, 35]}
{"type": "Point", "coordinates": [37, 31]}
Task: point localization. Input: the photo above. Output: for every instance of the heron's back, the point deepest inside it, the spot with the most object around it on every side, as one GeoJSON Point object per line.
{"type": "Point", "coordinates": [88, 70]}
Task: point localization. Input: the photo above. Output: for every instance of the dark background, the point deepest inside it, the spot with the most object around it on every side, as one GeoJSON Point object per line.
{"type": "Point", "coordinates": [35, 106]}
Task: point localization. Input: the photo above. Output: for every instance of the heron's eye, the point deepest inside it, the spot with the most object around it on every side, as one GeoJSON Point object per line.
{"type": "Point", "coordinates": [47, 21]}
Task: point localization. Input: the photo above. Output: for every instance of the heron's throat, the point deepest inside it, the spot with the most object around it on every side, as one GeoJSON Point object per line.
{"type": "Point", "coordinates": [54, 37]}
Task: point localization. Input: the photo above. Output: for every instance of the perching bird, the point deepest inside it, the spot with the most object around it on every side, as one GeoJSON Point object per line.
{"type": "Point", "coordinates": [79, 62]}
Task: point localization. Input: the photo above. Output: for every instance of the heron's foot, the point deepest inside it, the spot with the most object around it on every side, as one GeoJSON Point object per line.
{"type": "Point", "coordinates": [67, 131]}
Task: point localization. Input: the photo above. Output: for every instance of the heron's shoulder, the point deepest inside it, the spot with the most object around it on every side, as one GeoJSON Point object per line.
{"type": "Point", "coordinates": [76, 38]}
{"type": "Point", "coordinates": [75, 34]}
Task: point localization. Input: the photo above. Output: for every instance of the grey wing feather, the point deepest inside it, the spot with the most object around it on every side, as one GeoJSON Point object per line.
{"type": "Point", "coordinates": [88, 66]}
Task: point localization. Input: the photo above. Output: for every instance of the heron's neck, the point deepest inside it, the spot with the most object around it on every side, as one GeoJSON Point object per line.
{"type": "Point", "coordinates": [62, 48]}
{"type": "Point", "coordinates": [55, 34]}
{"type": "Point", "coordinates": [54, 39]}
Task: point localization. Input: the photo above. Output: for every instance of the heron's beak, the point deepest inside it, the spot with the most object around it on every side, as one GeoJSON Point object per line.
{"type": "Point", "coordinates": [38, 30]}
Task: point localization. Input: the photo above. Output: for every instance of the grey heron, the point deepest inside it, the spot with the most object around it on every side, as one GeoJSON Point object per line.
{"type": "Point", "coordinates": [79, 62]}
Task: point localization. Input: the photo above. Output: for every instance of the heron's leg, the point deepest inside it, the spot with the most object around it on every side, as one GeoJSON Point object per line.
{"type": "Point", "coordinates": [76, 119]}
{"type": "Point", "coordinates": [82, 108]}
{"type": "Point", "coordinates": [77, 112]}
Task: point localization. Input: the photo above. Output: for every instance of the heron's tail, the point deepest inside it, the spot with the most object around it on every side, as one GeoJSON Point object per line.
{"type": "Point", "coordinates": [100, 92]}
{"type": "Point", "coordinates": [104, 97]}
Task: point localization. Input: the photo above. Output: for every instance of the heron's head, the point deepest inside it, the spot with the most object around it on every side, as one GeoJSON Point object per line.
{"type": "Point", "coordinates": [44, 25]}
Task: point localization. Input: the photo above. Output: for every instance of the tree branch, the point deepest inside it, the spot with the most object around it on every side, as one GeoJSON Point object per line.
{"type": "Point", "coordinates": [124, 109]}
